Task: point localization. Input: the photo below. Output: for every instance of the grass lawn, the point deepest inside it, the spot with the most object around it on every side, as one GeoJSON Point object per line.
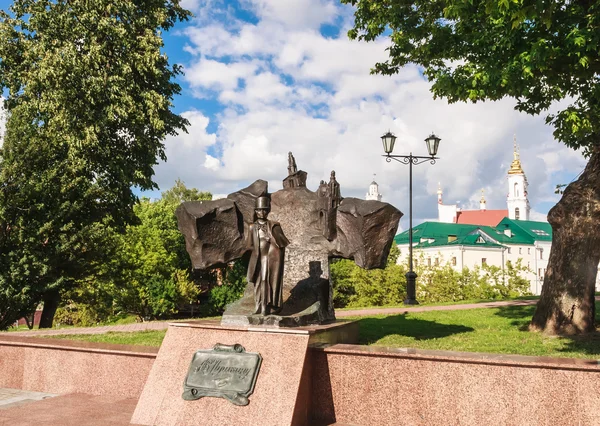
{"type": "Point", "coordinates": [495, 330]}
{"type": "Point", "coordinates": [460, 302]}
{"type": "Point", "coordinates": [141, 338]}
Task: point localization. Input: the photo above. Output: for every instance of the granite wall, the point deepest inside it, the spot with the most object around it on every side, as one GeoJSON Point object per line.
{"type": "Point", "coordinates": [364, 385]}
{"type": "Point", "coordinates": [349, 384]}
{"type": "Point", "coordinates": [60, 366]}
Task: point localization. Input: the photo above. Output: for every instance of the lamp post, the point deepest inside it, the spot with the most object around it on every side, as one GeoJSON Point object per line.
{"type": "Point", "coordinates": [433, 142]}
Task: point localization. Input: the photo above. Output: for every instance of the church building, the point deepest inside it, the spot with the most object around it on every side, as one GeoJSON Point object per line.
{"type": "Point", "coordinates": [373, 193]}
{"type": "Point", "coordinates": [469, 238]}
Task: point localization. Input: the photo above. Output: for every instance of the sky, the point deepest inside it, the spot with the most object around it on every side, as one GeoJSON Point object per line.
{"type": "Point", "coordinates": [266, 77]}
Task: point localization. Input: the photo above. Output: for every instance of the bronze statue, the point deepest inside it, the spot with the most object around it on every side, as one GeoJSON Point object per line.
{"type": "Point", "coordinates": [265, 271]}
{"type": "Point", "coordinates": [318, 226]}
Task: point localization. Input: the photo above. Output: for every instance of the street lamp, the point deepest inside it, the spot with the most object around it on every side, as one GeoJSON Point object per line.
{"type": "Point", "coordinates": [433, 143]}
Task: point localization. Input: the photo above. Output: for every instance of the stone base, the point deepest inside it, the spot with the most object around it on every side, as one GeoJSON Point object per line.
{"type": "Point", "coordinates": [281, 394]}
{"type": "Point", "coordinates": [308, 304]}
{"type": "Point", "coordinates": [310, 316]}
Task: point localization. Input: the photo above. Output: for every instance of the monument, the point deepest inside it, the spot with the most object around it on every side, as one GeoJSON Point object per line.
{"type": "Point", "coordinates": [259, 369]}
{"type": "Point", "coordinates": [292, 234]}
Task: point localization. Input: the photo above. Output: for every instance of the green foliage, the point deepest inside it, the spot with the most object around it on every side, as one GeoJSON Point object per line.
{"type": "Point", "coordinates": [379, 287]}
{"type": "Point", "coordinates": [180, 193]}
{"type": "Point", "coordinates": [231, 289]}
{"type": "Point", "coordinates": [88, 102]}
{"type": "Point", "coordinates": [14, 304]}
{"type": "Point", "coordinates": [152, 263]}
{"type": "Point", "coordinates": [148, 274]}
{"type": "Point", "coordinates": [86, 304]}
{"type": "Point", "coordinates": [356, 287]}
{"type": "Point", "coordinates": [341, 271]}
{"type": "Point", "coordinates": [441, 283]}
{"type": "Point", "coordinates": [536, 52]}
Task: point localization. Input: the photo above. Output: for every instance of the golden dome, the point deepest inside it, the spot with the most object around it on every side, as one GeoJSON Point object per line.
{"type": "Point", "coordinates": [515, 166]}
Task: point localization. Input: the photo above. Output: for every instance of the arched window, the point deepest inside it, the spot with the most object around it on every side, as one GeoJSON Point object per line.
{"type": "Point", "coordinates": [517, 213]}
{"type": "Point", "coordinates": [516, 190]}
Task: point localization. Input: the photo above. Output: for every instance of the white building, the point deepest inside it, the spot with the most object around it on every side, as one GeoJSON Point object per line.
{"type": "Point", "coordinates": [517, 202]}
{"type": "Point", "coordinates": [463, 245]}
{"type": "Point", "coordinates": [373, 193]}
{"type": "Point", "coordinates": [466, 238]}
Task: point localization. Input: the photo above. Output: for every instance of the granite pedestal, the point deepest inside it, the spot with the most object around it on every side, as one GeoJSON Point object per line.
{"type": "Point", "coordinates": [281, 395]}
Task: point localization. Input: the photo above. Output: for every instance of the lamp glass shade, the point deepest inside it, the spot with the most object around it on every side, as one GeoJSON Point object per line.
{"type": "Point", "coordinates": [433, 143]}
{"type": "Point", "coordinates": [388, 142]}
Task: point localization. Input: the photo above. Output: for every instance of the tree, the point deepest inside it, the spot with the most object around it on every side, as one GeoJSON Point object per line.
{"type": "Point", "coordinates": [148, 273]}
{"type": "Point", "coordinates": [88, 99]}
{"type": "Point", "coordinates": [537, 53]}
{"type": "Point", "coordinates": [154, 267]}
{"type": "Point", "coordinates": [180, 193]}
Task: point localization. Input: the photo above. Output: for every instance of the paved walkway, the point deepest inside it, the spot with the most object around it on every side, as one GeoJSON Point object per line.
{"type": "Point", "coordinates": [406, 310]}
{"type": "Point", "coordinates": [15, 397]}
{"type": "Point", "coordinates": [71, 410]}
{"type": "Point", "coordinates": [161, 325]}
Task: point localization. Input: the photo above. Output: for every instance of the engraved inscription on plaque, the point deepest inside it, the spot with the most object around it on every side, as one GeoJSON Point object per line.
{"type": "Point", "coordinates": [226, 371]}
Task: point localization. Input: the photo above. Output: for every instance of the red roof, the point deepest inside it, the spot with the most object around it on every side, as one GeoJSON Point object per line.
{"type": "Point", "coordinates": [481, 217]}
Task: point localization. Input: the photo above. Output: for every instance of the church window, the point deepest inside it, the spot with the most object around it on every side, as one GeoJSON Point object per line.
{"type": "Point", "coordinates": [541, 253]}
{"type": "Point", "coordinates": [509, 250]}
{"type": "Point", "coordinates": [520, 250]}
{"type": "Point", "coordinates": [540, 272]}
{"type": "Point", "coordinates": [516, 190]}
{"type": "Point", "coordinates": [528, 250]}
{"type": "Point", "coordinates": [517, 215]}
{"type": "Point", "coordinates": [483, 261]}
{"type": "Point", "coordinates": [437, 261]}
{"type": "Point", "coordinates": [429, 261]}
{"type": "Point", "coordinates": [454, 261]}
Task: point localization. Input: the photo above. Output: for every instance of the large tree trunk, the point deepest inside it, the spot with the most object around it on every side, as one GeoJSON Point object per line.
{"type": "Point", "coordinates": [51, 301]}
{"type": "Point", "coordinates": [566, 305]}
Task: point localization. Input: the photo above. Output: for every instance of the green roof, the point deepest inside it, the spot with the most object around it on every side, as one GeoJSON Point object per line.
{"type": "Point", "coordinates": [539, 231]}
{"type": "Point", "coordinates": [438, 234]}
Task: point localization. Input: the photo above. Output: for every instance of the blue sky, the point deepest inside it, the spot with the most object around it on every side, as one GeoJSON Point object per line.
{"type": "Point", "coordinates": [264, 77]}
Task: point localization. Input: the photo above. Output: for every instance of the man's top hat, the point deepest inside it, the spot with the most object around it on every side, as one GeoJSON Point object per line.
{"type": "Point", "coordinates": [263, 203]}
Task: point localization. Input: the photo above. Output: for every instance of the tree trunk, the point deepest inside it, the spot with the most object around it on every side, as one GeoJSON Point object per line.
{"type": "Point", "coordinates": [567, 304]}
{"type": "Point", "coordinates": [51, 301]}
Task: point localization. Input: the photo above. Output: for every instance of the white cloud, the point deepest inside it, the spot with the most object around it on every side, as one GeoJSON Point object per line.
{"type": "Point", "coordinates": [295, 13]}
{"type": "Point", "coordinates": [212, 163]}
{"type": "Point", "coordinates": [192, 5]}
{"type": "Point", "coordinates": [214, 75]}
{"type": "Point", "coordinates": [284, 87]}
{"type": "Point", "coordinates": [186, 155]}
{"type": "Point", "coordinates": [537, 216]}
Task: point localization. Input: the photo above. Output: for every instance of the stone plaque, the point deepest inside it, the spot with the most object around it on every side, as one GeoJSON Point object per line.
{"type": "Point", "coordinates": [226, 371]}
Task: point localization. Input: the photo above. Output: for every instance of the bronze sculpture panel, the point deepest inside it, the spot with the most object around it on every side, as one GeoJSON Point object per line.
{"type": "Point", "coordinates": [291, 235]}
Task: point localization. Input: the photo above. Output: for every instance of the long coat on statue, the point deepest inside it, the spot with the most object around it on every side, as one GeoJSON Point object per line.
{"type": "Point", "coordinates": [275, 258]}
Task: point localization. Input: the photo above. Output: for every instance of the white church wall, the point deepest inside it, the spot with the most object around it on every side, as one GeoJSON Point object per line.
{"type": "Point", "coordinates": [447, 213]}
{"type": "Point", "coordinates": [458, 257]}
{"type": "Point", "coordinates": [535, 257]}
{"type": "Point", "coordinates": [477, 256]}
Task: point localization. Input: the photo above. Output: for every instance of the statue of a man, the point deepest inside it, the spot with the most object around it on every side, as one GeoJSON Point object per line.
{"type": "Point", "coordinates": [265, 271]}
